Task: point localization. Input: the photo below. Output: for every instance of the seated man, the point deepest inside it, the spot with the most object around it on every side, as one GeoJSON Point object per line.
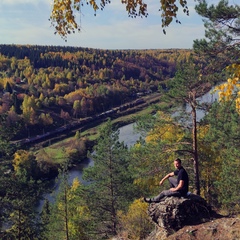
{"type": "Point", "coordinates": [178, 186]}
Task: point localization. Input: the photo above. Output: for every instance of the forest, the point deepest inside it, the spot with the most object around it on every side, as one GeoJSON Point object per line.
{"type": "Point", "coordinates": [44, 88]}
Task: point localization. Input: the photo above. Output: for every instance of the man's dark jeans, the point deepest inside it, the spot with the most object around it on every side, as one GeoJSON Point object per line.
{"type": "Point", "coordinates": [167, 193]}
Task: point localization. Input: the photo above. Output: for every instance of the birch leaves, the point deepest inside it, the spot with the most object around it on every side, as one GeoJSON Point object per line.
{"type": "Point", "coordinates": [63, 15]}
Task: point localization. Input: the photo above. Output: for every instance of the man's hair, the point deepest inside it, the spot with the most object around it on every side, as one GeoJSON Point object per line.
{"type": "Point", "coordinates": [178, 160]}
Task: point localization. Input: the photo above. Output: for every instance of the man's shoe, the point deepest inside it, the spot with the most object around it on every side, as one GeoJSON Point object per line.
{"type": "Point", "coordinates": [148, 200]}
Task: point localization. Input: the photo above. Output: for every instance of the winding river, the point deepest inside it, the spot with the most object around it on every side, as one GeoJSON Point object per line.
{"type": "Point", "coordinates": [129, 136]}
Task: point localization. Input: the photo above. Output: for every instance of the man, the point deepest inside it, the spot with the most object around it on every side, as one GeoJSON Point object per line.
{"type": "Point", "coordinates": [178, 186]}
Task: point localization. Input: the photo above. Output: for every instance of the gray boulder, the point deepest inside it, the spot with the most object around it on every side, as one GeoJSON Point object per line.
{"type": "Point", "coordinates": [173, 213]}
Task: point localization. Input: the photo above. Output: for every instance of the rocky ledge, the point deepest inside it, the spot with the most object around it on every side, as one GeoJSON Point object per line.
{"type": "Point", "coordinates": [173, 213]}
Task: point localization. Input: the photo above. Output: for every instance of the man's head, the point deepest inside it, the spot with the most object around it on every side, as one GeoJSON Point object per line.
{"type": "Point", "coordinates": [177, 163]}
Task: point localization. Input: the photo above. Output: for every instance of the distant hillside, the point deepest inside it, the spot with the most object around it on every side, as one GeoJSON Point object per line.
{"type": "Point", "coordinates": [44, 87]}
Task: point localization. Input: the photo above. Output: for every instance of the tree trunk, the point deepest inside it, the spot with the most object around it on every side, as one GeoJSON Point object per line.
{"type": "Point", "coordinates": [195, 151]}
{"type": "Point", "coordinates": [66, 213]}
{"type": "Point", "coordinates": [19, 225]}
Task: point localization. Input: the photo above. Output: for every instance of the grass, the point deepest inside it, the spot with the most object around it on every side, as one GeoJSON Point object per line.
{"type": "Point", "coordinates": [52, 154]}
{"type": "Point", "coordinates": [55, 153]}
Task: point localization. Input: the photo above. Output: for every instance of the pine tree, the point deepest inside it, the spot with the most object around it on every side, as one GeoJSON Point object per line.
{"type": "Point", "coordinates": [6, 133]}
{"type": "Point", "coordinates": [68, 217]}
{"type": "Point", "coordinates": [223, 134]}
{"type": "Point", "coordinates": [220, 47]}
{"type": "Point", "coordinates": [184, 89]}
{"type": "Point", "coordinates": [18, 205]}
{"type": "Point", "coordinates": [110, 181]}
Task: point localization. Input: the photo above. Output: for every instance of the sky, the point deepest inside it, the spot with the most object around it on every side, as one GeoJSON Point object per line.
{"type": "Point", "coordinates": [26, 22]}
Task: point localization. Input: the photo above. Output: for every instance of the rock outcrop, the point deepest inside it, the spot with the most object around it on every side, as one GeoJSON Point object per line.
{"type": "Point", "coordinates": [173, 213]}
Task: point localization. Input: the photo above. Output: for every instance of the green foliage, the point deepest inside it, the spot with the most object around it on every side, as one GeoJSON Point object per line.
{"type": "Point", "coordinates": [110, 186]}
{"type": "Point", "coordinates": [7, 131]}
{"type": "Point", "coordinates": [224, 130]}
{"type": "Point", "coordinates": [222, 13]}
{"type": "Point", "coordinates": [228, 184]}
{"type": "Point", "coordinates": [68, 217]}
{"type": "Point", "coordinates": [219, 49]}
{"type": "Point", "coordinates": [45, 218]}
{"type": "Point", "coordinates": [187, 83]}
{"type": "Point", "coordinates": [4, 146]}
{"type": "Point", "coordinates": [216, 52]}
{"type": "Point", "coordinates": [224, 122]}
{"type": "Point", "coordinates": [18, 207]}
{"type": "Point", "coordinates": [89, 81]}
{"type": "Point", "coordinates": [78, 135]}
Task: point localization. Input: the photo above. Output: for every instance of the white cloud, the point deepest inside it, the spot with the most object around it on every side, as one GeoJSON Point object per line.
{"type": "Point", "coordinates": [16, 2]}
{"type": "Point", "coordinates": [132, 35]}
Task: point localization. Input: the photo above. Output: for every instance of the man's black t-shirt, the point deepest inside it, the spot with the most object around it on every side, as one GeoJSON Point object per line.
{"type": "Point", "coordinates": [182, 175]}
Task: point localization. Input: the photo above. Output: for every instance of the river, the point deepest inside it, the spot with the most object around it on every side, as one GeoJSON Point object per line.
{"type": "Point", "coordinates": [129, 136]}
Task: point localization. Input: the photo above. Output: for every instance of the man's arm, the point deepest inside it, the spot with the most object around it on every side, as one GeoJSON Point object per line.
{"type": "Point", "coordinates": [179, 186]}
{"type": "Point", "coordinates": [166, 177]}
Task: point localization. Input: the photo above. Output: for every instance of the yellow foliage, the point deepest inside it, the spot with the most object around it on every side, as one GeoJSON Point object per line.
{"type": "Point", "coordinates": [22, 160]}
{"type": "Point", "coordinates": [71, 207]}
{"type": "Point", "coordinates": [63, 15]}
{"type": "Point", "coordinates": [4, 81]}
{"type": "Point", "coordinates": [151, 160]}
{"type": "Point", "coordinates": [72, 193]}
{"type": "Point", "coordinates": [232, 85]}
{"type": "Point", "coordinates": [75, 184]}
{"type": "Point", "coordinates": [79, 216]}
{"type": "Point", "coordinates": [147, 183]}
{"type": "Point", "coordinates": [167, 131]}
{"type": "Point", "coordinates": [202, 131]}
{"type": "Point", "coordinates": [136, 221]}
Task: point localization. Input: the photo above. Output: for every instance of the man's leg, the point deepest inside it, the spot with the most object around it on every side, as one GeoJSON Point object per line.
{"type": "Point", "coordinates": [165, 193]}
{"type": "Point", "coordinates": [173, 182]}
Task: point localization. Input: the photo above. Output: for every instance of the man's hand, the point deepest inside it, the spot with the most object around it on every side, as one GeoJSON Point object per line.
{"type": "Point", "coordinates": [172, 189]}
{"type": "Point", "coordinates": [161, 182]}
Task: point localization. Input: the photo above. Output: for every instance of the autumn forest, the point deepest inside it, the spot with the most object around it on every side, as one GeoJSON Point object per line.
{"type": "Point", "coordinates": [46, 90]}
